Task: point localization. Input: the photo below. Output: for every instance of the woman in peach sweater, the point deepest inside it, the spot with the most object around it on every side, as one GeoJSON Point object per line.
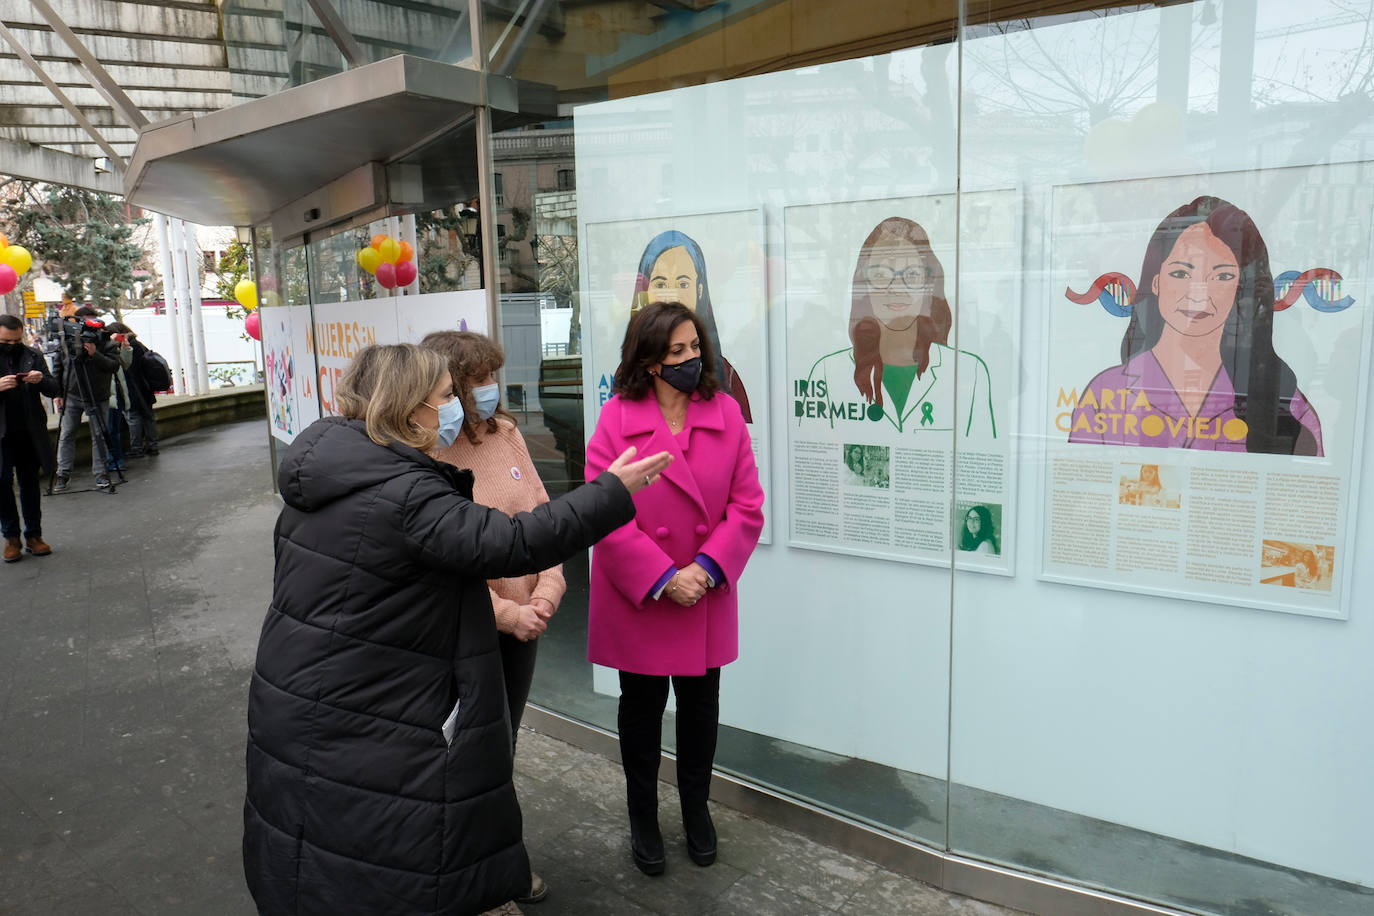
{"type": "Point", "coordinates": [492, 448]}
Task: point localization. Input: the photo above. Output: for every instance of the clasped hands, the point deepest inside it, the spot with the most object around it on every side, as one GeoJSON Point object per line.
{"type": "Point", "coordinates": [531, 620]}
{"type": "Point", "coordinates": [688, 584]}
{"type": "Point", "coordinates": [8, 382]}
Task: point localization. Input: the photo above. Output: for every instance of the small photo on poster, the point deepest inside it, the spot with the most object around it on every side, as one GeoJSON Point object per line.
{"type": "Point", "coordinates": [867, 466]}
{"type": "Point", "coordinates": [1154, 486]}
{"type": "Point", "coordinates": [978, 528]}
{"type": "Point", "coordinates": [1292, 564]}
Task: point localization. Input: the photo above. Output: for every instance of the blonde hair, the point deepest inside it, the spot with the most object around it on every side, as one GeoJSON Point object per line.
{"type": "Point", "coordinates": [384, 385]}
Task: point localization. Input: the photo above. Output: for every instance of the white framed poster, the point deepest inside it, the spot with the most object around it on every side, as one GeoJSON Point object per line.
{"type": "Point", "coordinates": [341, 329]}
{"type": "Point", "coordinates": [289, 370]}
{"type": "Point", "coordinates": [711, 262]}
{"type": "Point", "coordinates": [1208, 347]}
{"type": "Point", "coordinates": [893, 406]}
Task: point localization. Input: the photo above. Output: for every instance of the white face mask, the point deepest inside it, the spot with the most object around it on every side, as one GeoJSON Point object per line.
{"type": "Point", "coordinates": [450, 420]}
{"type": "Point", "coordinates": [488, 398]}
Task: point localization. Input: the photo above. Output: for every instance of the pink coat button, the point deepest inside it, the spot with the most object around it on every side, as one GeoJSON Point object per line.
{"type": "Point", "coordinates": [702, 529]}
{"type": "Point", "coordinates": [661, 533]}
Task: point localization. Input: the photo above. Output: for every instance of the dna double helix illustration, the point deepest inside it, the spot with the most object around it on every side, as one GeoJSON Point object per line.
{"type": "Point", "coordinates": [1320, 287]}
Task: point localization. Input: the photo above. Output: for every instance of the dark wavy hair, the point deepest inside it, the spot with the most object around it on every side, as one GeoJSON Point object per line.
{"type": "Point", "coordinates": [666, 241]}
{"type": "Point", "coordinates": [865, 331]}
{"type": "Point", "coordinates": [470, 355]}
{"type": "Point", "coordinates": [646, 342]}
{"type": "Point", "coordinates": [1264, 383]}
{"type": "Point", "coordinates": [985, 531]}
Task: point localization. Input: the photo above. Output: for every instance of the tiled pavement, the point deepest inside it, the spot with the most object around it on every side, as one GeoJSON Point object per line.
{"type": "Point", "coordinates": [123, 677]}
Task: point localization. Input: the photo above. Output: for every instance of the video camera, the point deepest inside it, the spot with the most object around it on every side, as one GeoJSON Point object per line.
{"type": "Point", "coordinates": [75, 332]}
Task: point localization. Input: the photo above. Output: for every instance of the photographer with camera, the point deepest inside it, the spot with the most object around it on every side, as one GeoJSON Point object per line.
{"type": "Point", "coordinates": [24, 448]}
{"type": "Point", "coordinates": [87, 359]}
{"type": "Point", "coordinates": [146, 374]}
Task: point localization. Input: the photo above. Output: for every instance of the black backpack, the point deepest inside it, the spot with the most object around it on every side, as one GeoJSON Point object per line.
{"type": "Point", "coordinates": [155, 371]}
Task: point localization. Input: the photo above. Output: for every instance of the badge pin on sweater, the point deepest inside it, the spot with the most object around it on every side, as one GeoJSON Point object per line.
{"type": "Point", "coordinates": [515, 472]}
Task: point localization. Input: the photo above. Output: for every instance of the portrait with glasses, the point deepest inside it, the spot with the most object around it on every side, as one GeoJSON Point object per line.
{"type": "Point", "coordinates": [900, 363]}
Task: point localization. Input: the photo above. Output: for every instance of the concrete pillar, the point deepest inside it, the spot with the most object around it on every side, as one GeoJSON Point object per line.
{"type": "Point", "coordinates": [193, 258]}
{"type": "Point", "coordinates": [168, 300]}
{"type": "Point", "coordinates": [182, 326]}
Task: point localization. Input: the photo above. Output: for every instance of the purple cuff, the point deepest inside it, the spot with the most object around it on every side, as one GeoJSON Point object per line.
{"type": "Point", "coordinates": [712, 569]}
{"type": "Point", "coordinates": [657, 591]}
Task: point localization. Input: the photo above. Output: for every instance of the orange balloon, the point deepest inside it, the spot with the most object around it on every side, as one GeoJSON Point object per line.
{"type": "Point", "coordinates": [377, 240]}
{"type": "Point", "coordinates": [4, 242]}
{"type": "Point", "coordinates": [407, 252]}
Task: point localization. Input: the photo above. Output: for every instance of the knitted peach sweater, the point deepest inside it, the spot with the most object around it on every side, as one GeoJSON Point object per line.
{"type": "Point", "coordinates": [505, 479]}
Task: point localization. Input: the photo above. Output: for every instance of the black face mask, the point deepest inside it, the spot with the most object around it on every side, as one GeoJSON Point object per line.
{"type": "Point", "coordinates": [10, 350]}
{"type": "Point", "coordinates": [683, 376]}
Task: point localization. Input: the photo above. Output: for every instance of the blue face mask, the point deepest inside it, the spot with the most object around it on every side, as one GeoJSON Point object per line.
{"type": "Point", "coordinates": [450, 420]}
{"type": "Point", "coordinates": [488, 398]}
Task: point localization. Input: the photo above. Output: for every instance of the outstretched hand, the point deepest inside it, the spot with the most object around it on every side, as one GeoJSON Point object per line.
{"type": "Point", "coordinates": [636, 475]}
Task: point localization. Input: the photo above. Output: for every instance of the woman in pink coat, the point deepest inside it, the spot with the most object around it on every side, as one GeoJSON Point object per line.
{"type": "Point", "coordinates": [663, 601]}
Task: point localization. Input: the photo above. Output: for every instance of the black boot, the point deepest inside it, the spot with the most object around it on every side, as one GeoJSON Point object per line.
{"type": "Point", "coordinates": [698, 714]}
{"type": "Point", "coordinates": [640, 720]}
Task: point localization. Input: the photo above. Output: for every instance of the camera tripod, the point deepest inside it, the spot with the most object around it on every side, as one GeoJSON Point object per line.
{"type": "Point", "coordinates": [94, 412]}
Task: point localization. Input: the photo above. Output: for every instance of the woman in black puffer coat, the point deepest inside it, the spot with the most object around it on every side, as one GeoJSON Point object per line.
{"type": "Point", "coordinates": [379, 747]}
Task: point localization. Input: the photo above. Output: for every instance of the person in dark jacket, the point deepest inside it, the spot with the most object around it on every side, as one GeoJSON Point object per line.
{"type": "Point", "coordinates": [142, 397]}
{"type": "Point", "coordinates": [379, 747]}
{"type": "Point", "coordinates": [84, 374]}
{"type": "Point", "coordinates": [25, 451]}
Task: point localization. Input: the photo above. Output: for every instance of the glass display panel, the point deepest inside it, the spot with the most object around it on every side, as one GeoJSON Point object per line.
{"type": "Point", "coordinates": [1191, 306]}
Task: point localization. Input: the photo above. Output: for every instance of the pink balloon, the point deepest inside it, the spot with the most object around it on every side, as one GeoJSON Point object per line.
{"type": "Point", "coordinates": [8, 278]}
{"type": "Point", "coordinates": [386, 275]}
{"type": "Point", "coordinates": [405, 273]}
{"type": "Point", "coordinates": [253, 325]}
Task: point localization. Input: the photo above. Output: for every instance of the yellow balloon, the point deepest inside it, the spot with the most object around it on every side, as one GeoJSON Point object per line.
{"type": "Point", "coordinates": [17, 257]}
{"type": "Point", "coordinates": [246, 292]}
{"type": "Point", "coordinates": [369, 259]}
{"type": "Point", "coordinates": [390, 250]}
{"type": "Point", "coordinates": [271, 299]}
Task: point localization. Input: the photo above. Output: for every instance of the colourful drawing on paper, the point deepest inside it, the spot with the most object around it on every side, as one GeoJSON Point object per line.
{"type": "Point", "coordinates": [1198, 367]}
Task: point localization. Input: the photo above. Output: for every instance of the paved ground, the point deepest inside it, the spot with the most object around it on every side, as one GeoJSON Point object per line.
{"type": "Point", "coordinates": [123, 679]}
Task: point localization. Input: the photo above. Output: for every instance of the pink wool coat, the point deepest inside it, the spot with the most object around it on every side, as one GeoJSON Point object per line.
{"type": "Point", "coordinates": [709, 501]}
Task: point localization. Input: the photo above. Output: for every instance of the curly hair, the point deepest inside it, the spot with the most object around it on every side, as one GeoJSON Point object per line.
{"type": "Point", "coordinates": [470, 355]}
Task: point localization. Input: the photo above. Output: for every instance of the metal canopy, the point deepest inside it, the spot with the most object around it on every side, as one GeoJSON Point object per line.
{"type": "Point", "coordinates": [240, 165]}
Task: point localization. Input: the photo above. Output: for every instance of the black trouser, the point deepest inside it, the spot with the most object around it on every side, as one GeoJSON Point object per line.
{"type": "Point", "coordinates": [517, 662]}
{"type": "Point", "coordinates": [643, 698]}
{"type": "Point", "coordinates": [20, 460]}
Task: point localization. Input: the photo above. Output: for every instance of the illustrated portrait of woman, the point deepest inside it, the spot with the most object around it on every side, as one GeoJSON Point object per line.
{"type": "Point", "coordinates": [899, 322]}
{"type": "Point", "coordinates": [1200, 348]}
{"type": "Point", "coordinates": [673, 269]}
{"type": "Point", "coordinates": [978, 534]}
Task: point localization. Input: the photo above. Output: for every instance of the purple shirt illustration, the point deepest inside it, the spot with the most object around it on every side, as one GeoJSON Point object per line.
{"type": "Point", "coordinates": [1135, 404]}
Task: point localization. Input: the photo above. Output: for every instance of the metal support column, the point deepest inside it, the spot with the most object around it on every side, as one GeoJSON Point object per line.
{"type": "Point", "coordinates": [486, 183]}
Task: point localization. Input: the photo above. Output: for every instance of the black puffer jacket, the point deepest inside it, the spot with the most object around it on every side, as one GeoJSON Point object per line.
{"type": "Point", "coordinates": [381, 622]}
